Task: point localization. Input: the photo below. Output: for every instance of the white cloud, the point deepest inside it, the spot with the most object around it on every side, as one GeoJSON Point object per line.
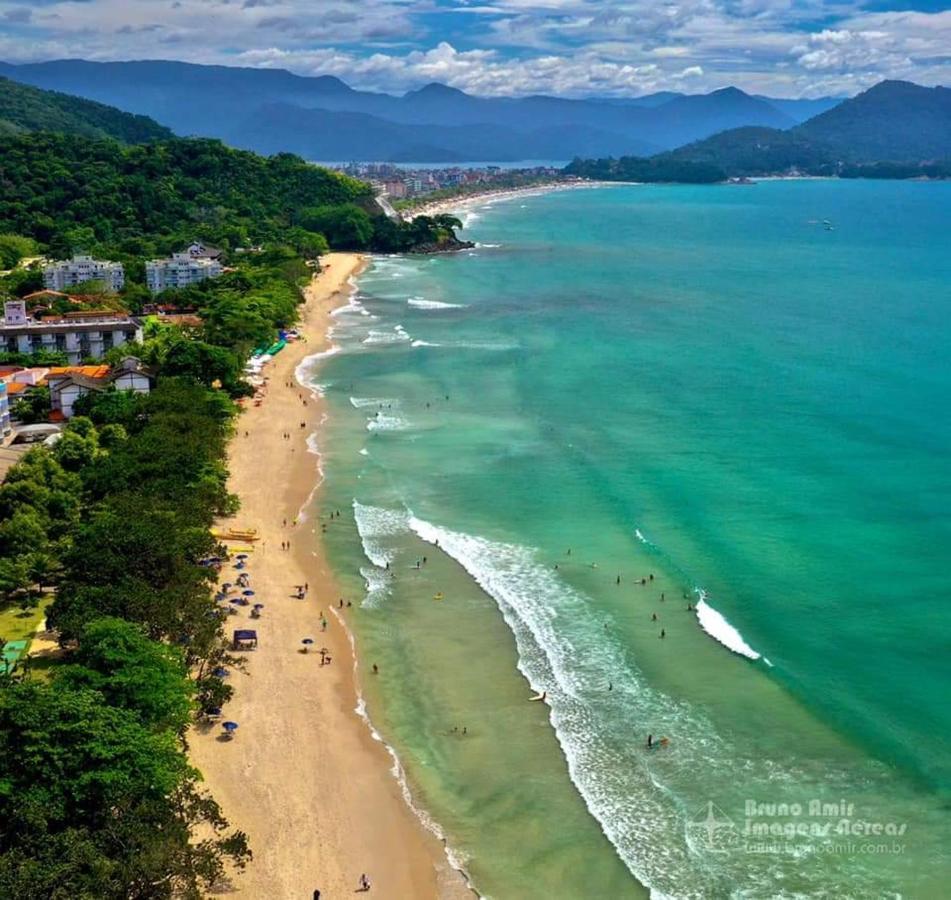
{"type": "Point", "coordinates": [504, 47]}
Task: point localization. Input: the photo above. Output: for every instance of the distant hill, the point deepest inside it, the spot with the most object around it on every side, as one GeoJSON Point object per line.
{"type": "Point", "coordinates": [687, 118]}
{"type": "Point", "coordinates": [442, 123]}
{"type": "Point", "coordinates": [896, 121]}
{"type": "Point", "coordinates": [893, 130]}
{"type": "Point", "coordinates": [24, 109]}
{"type": "Point", "coordinates": [799, 110]}
{"type": "Point", "coordinates": [758, 151]}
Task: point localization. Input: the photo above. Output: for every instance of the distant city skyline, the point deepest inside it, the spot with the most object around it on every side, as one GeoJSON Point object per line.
{"type": "Point", "coordinates": [571, 48]}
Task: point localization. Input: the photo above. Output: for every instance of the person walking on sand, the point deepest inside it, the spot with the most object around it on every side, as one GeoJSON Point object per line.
{"type": "Point", "coordinates": [364, 883]}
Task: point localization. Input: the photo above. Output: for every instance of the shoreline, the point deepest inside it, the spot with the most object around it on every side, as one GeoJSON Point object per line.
{"type": "Point", "coordinates": [304, 776]}
{"type": "Point", "coordinates": [499, 195]}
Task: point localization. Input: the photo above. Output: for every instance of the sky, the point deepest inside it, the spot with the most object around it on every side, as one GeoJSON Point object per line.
{"type": "Point", "coordinates": [572, 48]}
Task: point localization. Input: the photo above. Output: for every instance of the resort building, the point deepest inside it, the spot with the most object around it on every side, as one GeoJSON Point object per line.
{"type": "Point", "coordinates": [180, 270]}
{"type": "Point", "coordinates": [67, 385]}
{"type": "Point", "coordinates": [80, 335]}
{"type": "Point", "coordinates": [71, 272]}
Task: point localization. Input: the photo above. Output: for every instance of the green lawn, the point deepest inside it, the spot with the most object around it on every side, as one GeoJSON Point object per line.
{"type": "Point", "coordinates": [17, 625]}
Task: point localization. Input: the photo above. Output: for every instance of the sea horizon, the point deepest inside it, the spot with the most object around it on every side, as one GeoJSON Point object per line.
{"type": "Point", "coordinates": [635, 384]}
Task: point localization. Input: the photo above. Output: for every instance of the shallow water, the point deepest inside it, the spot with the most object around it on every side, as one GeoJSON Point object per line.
{"type": "Point", "coordinates": [706, 385]}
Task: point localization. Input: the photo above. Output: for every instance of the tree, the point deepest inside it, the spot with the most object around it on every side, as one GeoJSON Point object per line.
{"type": "Point", "coordinates": [346, 227]}
{"type": "Point", "coordinates": [13, 248]}
{"type": "Point", "coordinates": [34, 406]}
{"type": "Point", "coordinates": [202, 362]}
{"type": "Point", "coordinates": [96, 804]}
{"type": "Point", "coordinates": [73, 451]}
{"type": "Point", "coordinates": [109, 407]}
{"type": "Point", "coordinates": [131, 672]}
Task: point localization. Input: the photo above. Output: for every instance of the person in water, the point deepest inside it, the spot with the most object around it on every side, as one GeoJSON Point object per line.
{"type": "Point", "coordinates": [650, 741]}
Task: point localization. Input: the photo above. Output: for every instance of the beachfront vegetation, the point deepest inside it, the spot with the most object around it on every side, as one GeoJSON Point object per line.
{"type": "Point", "coordinates": [134, 202]}
{"type": "Point", "coordinates": [94, 781]}
{"type": "Point", "coordinates": [647, 170]}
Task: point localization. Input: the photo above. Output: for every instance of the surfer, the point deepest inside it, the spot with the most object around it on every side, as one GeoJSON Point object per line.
{"type": "Point", "coordinates": [540, 696]}
{"type": "Point", "coordinates": [650, 742]}
{"type": "Point", "coordinates": [663, 633]}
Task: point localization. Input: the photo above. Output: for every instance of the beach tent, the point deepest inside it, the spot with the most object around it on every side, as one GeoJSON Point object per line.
{"type": "Point", "coordinates": [245, 639]}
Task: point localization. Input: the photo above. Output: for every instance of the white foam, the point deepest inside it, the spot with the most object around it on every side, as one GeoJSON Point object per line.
{"type": "Point", "coordinates": [397, 336]}
{"type": "Point", "coordinates": [375, 523]}
{"type": "Point", "coordinates": [377, 584]}
{"type": "Point", "coordinates": [379, 402]}
{"type": "Point", "coordinates": [420, 303]}
{"type": "Point", "coordinates": [385, 422]}
{"type": "Point", "coordinates": [308, 363]}
{"type": "Point", "coordinates": [425, 344]}
{"type": "Point", "coordinates": [714, 624]}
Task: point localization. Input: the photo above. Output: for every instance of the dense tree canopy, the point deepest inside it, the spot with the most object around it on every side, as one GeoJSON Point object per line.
{"type": "Point", "coordinates": [138, 201]}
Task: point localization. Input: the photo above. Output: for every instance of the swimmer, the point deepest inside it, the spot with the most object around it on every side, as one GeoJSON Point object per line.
{"type": "Point", "coordinates": [542, 696]}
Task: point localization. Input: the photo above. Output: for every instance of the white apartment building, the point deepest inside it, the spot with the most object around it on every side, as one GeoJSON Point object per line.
{"type": "Point", "coordinates": [80, 336]}
{"type": "Point", "coordinates": [180, 270]}
{"type": "Point", "coordinates": [71, 272]}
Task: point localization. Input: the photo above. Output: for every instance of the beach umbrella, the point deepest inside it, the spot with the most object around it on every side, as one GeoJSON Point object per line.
{"type": "Point", "coordinates": [242, 556]}
{"type": "Point", "coordinates": [220, 672]}
{"type": "Point", "coordinates": [307, 642]}
{"type": "Point", "coordinates": [248, 593]}
{"type": "Point", "coordinates": [230, 728]}
{"type": "Point", "coordinates": [239, 565]}
{"type": "Point", "coordinates": [227, 586]}
{"type": "Point", "coordinates": [235, 600]}
{"type": "Point", "coordinates": [259, 606]}
{"type": "Point", "coordinates": [214, 711]}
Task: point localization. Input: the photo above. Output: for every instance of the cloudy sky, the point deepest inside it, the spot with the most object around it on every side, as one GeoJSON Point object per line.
{"type": "Point", "coordinates": [569, 47]}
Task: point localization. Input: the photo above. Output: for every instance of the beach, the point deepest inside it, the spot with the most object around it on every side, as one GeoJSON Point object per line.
{"type": "Point", "coordinates": [304, 776]}
{"type": "Point", "coordinates": [494, 195]}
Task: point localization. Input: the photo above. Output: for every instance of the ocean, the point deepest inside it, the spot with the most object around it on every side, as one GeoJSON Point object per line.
{"type": "Point", "coordinates": [678, 458]}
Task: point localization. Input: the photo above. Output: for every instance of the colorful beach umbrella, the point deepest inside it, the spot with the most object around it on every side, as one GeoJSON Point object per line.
{"type": "Point", "coordinates": [230, 727]}
{"type": "Point", "coordinates": [220, 672]}
{"type": "Point", "coordinates": [248, 593]}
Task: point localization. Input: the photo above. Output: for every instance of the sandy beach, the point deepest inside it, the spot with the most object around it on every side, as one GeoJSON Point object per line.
{"type": "Point", "coordinates": [303, 775]}
{"type": "Point", "coordinates": [497, 195]}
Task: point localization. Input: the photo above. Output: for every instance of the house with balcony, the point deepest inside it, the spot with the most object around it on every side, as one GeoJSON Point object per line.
{"type": "Point", "coordinates": [80, 335]}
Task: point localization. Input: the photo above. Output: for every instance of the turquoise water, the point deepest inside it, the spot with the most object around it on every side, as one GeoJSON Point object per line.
{"type": "Point", "coordinates": [705, 385]}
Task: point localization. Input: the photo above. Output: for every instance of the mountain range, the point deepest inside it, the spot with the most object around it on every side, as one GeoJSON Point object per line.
{"type": "Point", "coordinates": [894, 121]}
{"type": "Point", "coordinates": [322, 118]}
{"type": "Point", "coordinates": [895, 129]}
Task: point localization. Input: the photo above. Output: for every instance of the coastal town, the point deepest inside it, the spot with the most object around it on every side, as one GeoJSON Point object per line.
{"type": "Point", "coordinates": [403, 187]}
